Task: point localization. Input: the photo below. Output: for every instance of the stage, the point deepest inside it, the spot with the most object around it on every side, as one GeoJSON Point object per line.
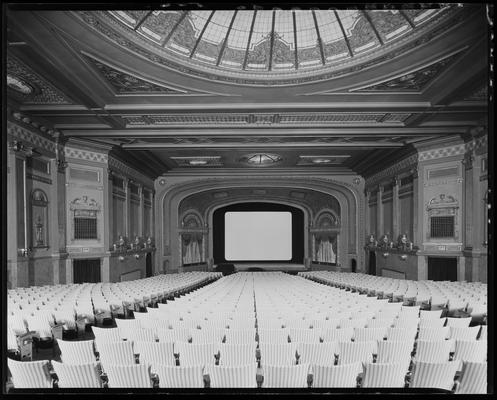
{"type": "Point", "coordinates": [269, 267]}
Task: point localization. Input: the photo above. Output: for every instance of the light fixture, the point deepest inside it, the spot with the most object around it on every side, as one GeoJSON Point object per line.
{"type": "Point", "coordinates": [262, 158]}
{"type": "Point", "coordinates": [321, 160]}
{"type": "Point", "coordinates": [197, 162]}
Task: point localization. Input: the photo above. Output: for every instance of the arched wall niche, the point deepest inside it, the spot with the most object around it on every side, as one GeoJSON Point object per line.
{"type": "Point", "coordinates": [171, 194]}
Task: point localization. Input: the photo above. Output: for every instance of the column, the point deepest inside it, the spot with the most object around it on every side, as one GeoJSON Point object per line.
{"type": "Point", "coordinates": [417, 223]}
{"type": "Point", "coordinates": [470, 196]}
{"type": "Point", "coordinates": [379, 213]}
{"type": "Point", "coordinates": [127, 206]}
{"type": "Point", "coordinates": [12, 213]}
{"type": "Point", "coordinates": [368, 213]}
{"type": "Point", "coordinates": [109, 218]}
{"type": "Point", "coordinates": [396, 209]}
{"type": "Point", "coordinates": [140, 212]}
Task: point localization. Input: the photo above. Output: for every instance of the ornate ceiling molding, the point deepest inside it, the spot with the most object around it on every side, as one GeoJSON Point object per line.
{"type": "Point", "coordinates": [86, 155]}
{"type": "Point", "coordinates": [414, 81]}
{"type": "Point", "coordinates": [449, 151]}
{"type": "Point", "coordinates": [120, 167]}
{"type": "Point", "coordinates": [30, 88]}
{"type": "Point", "coordinates": [129, 39]}
{"type": "Point", "coordinates": [33, 138]}
{"type": "Point", "coordinates": [390, 172]}
{"type": "Point", "coordinates": [242, 119]}
{"type": "Point", "coordinates": [127, 83]}
{"type": "Point", "coordinates": [325, 160]}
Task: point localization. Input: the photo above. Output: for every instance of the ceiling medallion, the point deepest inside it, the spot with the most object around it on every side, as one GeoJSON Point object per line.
{"type": "Point", "coordinates": [19, 85]}
{"type": "Point", "coordinates": [261, 159]}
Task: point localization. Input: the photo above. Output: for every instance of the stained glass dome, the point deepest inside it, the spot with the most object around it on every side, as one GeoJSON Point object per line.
{"type": "Point", "coordinates": [274, 44]}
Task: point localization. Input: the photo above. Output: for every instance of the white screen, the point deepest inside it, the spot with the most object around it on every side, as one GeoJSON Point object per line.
{"type": "Point", "coordinates": [258, 235]}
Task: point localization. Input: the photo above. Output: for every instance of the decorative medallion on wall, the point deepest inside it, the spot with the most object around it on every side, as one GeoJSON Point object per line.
{"type": "Point", "coordinates": [201, 161]}
{"type": "Point", "coordinates": [125, 83]}
{"type": "Point", "coordinates": [414, 81]}
{"type": "Point", "coordinates": [261, 159]}
{"type": "Point", "coordinates": [29, 87]}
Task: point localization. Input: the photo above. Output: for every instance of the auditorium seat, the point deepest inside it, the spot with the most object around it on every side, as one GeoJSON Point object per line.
{"type": "Point", "coordinates": [128, 376]}
{"type": "Point", "coordinates": [154, 353]}
{"type": "Point", "coordinates": [30, 374]}
{"type": "Point", "coordinates": [76, 352]}
{"type": "Point", "coordinates": [77, 375]}
{"type": "Point", "coordinates": [473, 379]}
{"type": "Point", "coordinates": [180, 377]}
{"type": "Point", "coordinates": [433, 375]}
{"type": "Point", "coordinates": [336, 376]}
{"type": "Point", "coordinates": [285, 376]}
{"type": "Point", "coordinates": [383, 375]}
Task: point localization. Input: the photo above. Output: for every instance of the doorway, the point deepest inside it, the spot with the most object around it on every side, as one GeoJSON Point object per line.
{"type": "Point", "coordinates": [148, 265]}
{"type": "Point", "coordinates": [372, 263]}
{"type": "Point", "coordinates": [86, 270]}
{"type": "Point", "coordinates": [442, 269]}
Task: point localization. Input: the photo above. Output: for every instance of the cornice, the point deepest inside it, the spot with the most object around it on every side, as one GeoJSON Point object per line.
{"type": "Point", "coordinates": [119, 166]}
{"type": "Point", "coordinates": [27, 135]}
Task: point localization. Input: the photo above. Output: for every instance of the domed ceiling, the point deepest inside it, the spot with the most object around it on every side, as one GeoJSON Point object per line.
{"type": "Point", "coordinates": [271, 46]}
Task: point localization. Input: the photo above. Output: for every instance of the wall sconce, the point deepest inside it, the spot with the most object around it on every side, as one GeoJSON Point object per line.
{"type": "Point", "coordinates": [137, 256]}
{"type": "Point", "coordinates": [23, 252]}
{"type": "Point", "coordinates": [121, 258]}
{"type": "Point", "coordinates": [403, 257]}
{"type": "Point", "coordinates": [386, 255]}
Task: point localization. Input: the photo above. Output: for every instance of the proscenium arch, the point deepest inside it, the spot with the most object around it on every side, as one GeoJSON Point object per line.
{"type": "Point", "coordinates": [211, 209]}
{"type": "Point", "coordinates": [171, 194]}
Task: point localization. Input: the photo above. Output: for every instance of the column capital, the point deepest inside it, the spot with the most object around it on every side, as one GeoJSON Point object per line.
{"type": "Point", "coordinates": [380, 188]}
{"type": "Point", "coordinates": [20, 149]}
{"type": "Point", "coordinates": [468, 159]}
{"type": "Point", "coordinates": [396, 181]}
{"type": "Point", "coordinates": [414, 172]}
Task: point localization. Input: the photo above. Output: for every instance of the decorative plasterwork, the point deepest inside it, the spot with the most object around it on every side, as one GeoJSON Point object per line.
{"type": "Point", "coordinates": [415, 80]}
{"type": "Point", "coordinates": [42, 91]}
{"type": "Point", "coordinates": [200, 161]}
{"type": "Point", "coordinates": [126, 83]}
{"type": "Point", "coordinates": [481, 94]}
{"type": "Point", "coordinates": [433, 154]}
{"type": "Point", "coordinates": [391, 171]}
{"type": "Point", "coordinates": [310, 118]}
{"type": "Point", "coordinates": [79, 154]}
{"type": "Point", "coordinates": [128, 38]}
{"type": "Point", "coordinates": [34, 139]}
{"type": "Point", "coordinates": [118, 166]}
{"type": "Point", "coordinates": [322, 160]}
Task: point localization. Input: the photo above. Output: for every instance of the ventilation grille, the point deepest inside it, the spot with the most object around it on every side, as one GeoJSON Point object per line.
{"type": "Point", "coordinates": [443, 173]}
{"type": "Point", "coordinates": [84, 175]}
{"type": "Point", "coordinates": [442, 227]}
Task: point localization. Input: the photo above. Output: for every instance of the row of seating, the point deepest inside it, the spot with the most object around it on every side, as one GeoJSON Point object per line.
{"type": "Point", "coordinates": [467, 296]}
{"type": "Point", "coordinates": [376, 375]}
{"type": "Point", "coordinates": [40, 309]}
{"type": "Point", "coordinates": [270, 302]}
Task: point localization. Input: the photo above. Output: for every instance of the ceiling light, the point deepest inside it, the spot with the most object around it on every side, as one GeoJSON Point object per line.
{"type": "Point", "coordinates": [321, 160]}
{"type": "Point", "coordinates": [197, 162]}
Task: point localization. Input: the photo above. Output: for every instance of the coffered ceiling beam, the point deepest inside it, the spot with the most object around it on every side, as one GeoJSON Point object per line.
{"type": "Point", "coordinates": [351, 53]}
{"type": "Point", "coordinates": [225, 41]}
{"type": "Point", "coordinates": [271, 42]}
{"type": "Point", "coordinates": [320, 145]}
{"type": "Point", "coordinates": [269, 131]}
{"type": "Point", "coordinates": [320, 41]}
{"type": "Point", "coordinates": [142, 20]}
{"type": "Point", "coordinates": [201, 34]}
{"type": "Point", "coordinates": [170, 34]}
{"type": "Point", "coordinates": [407, 19]}
{"type": "Point", "coordinates": [295, 40]}
{"type": "Point", "coordinates": [245, 60]}
{"type": "Point", "coordinates": [368, 18]}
